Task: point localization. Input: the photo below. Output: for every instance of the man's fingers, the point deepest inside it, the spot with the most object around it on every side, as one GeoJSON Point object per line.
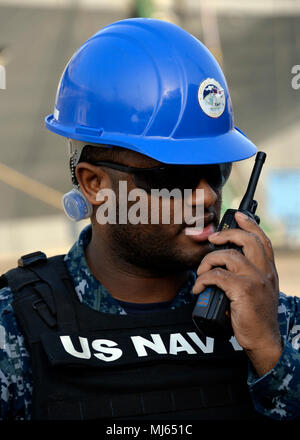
{"type": "Point", "coordinates": [222, 278]}
{"type": "Point", "coordinates": [249, 225]}
{"type": "Point", "coordinates": [250, 244]}
{"type": "Point", "coordinates": [253, 241]}
{"type": "Point", "coordinates": [231, 259]}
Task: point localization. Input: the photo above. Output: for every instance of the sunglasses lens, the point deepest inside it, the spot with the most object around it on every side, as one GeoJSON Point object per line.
{"type": "Point", "coordinates": [217, 175]}
{"type": "Point", "coordinates": [183, 177]}
{"type": "Point", "coordinates": [225, 169]}
{"type": "Point", "coordinates": [156, 179]}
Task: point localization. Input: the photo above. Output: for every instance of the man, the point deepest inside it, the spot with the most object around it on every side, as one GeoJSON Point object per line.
{"type": "Point", "coordinates": [106, 332]}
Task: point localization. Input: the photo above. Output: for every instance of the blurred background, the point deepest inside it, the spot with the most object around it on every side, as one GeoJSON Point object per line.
{"type": "Point", "coordinates": [257, 44]}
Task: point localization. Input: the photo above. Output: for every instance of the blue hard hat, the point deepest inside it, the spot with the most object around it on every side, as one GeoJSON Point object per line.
{"type": "Point", "coordinates": [149, 86]}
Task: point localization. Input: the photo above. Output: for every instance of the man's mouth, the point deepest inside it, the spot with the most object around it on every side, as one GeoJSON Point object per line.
{"type": "Point", "coordinates": [201, 233]}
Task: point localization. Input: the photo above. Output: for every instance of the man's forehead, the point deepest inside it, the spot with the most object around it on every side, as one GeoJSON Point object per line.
{"type": "Point", "coordinates": [134, 158]}
{"type": "Point", "coordinates": [121, 154]}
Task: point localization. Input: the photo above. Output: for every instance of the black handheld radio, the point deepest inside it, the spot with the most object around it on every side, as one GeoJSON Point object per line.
{"type": "Point", "coordinates": [211, 314]}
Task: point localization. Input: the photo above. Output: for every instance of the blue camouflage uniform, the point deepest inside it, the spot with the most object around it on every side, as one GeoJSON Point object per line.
{"type": "Point", "coordinates": [276, 394]}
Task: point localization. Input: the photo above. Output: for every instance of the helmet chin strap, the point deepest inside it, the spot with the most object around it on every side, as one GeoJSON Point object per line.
{"type": "Point", "coordinates": [75, 204]}
{"type": "Point", "coordinates": [75, 150]}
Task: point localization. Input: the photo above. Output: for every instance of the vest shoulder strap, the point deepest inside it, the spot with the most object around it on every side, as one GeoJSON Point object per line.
{"type": "Point", "coordinates": [43, 292]}
{"type": "Point", "coordinates": [19, 277]}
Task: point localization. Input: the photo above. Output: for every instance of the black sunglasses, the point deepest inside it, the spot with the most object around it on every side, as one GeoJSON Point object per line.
{"type": "Point", "coordinates": [174, 176]}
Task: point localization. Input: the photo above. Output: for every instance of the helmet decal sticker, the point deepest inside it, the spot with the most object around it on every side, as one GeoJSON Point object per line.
{"type": "Point", "coordinates": [211, 98]}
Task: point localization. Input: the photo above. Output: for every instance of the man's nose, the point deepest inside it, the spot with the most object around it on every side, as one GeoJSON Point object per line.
{"type": "Point", "coordinates": [208, 197]}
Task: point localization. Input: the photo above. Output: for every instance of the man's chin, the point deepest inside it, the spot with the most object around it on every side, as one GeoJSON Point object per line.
{"type": "Point", "coordinates": [193, 254]}
{"type": "Point", "coordinates": [186, 258]}
{"type": "Point", "coordinates": [158, 253]}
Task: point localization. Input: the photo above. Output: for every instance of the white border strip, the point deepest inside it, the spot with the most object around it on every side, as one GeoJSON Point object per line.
{"type": "Point", "coordinates": [228, 7]}
{"type": "Point", "coordinates": [115, 5]}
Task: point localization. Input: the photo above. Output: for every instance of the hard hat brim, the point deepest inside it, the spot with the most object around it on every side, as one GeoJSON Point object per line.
{"type": "Point", "coordinates": [231, 146]}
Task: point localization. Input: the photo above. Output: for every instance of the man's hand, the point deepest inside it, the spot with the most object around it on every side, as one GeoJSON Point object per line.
{"type": "Point", "coordinates": [250, 281]}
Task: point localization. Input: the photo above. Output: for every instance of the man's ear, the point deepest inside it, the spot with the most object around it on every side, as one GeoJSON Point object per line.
{"type": "Point", "coordinates": [92, 179]}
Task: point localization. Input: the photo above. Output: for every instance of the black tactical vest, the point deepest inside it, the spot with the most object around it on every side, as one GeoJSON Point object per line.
{"type": "Point", "coordinates": [94, 365]}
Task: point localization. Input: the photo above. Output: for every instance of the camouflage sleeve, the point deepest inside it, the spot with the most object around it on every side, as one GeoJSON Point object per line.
{"type": "Point", "coordinates": [15, 366]}
{"type": "Point", "coordinates": [277, 393]}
